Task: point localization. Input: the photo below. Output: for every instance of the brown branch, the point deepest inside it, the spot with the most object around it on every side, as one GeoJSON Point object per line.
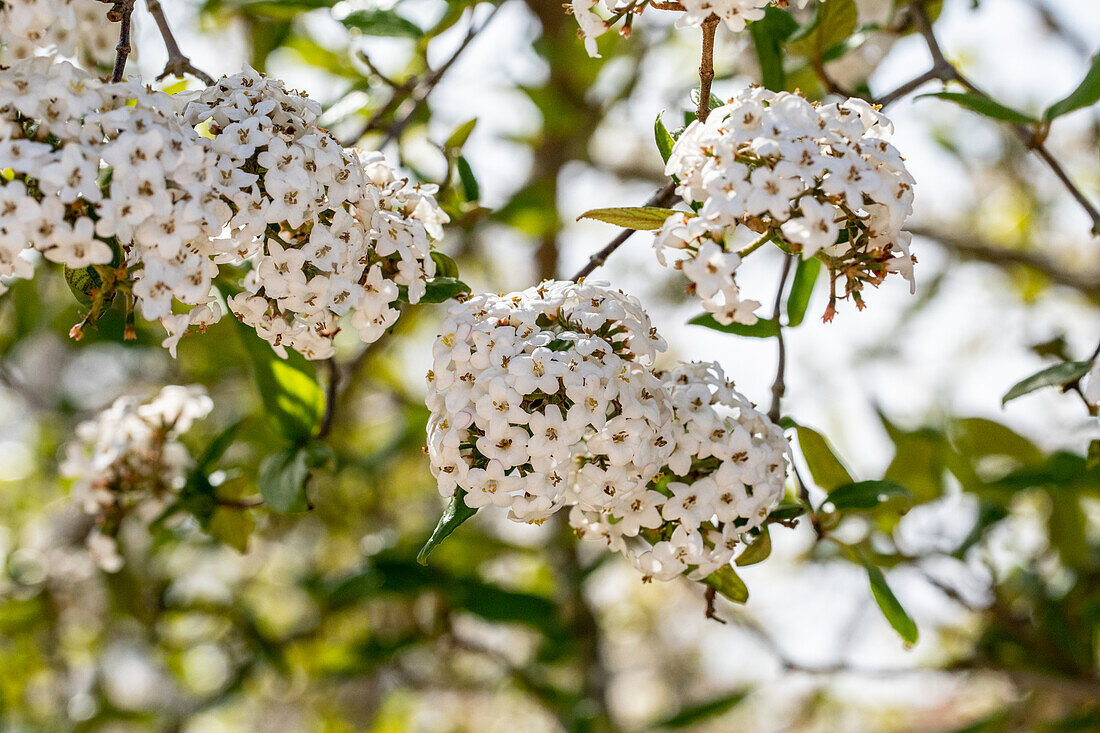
{"type": "Point", "coordinates": [120, 13]}
{"type": "Point", "coordinates": [178, 64]}
{"type": "Point", "coordinates": [664, 197]}
{"type": "Point", "coordinates": [706, 67]}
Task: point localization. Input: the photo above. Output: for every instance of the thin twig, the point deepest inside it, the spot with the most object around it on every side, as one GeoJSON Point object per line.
{"type": "Point", "coordinates": [120, 13]}
{"type": "Point", "coordinates": [178, 64]}
{"type": "Point", "coordinates": [419, 88]}
{"type": "Point", "coordinates": [779, 385]}
{"type": "Point", "coordinates": [332, 393]}
{"type": "Point", "coordinates": [711, 612]}
{"type": "Point", "coordinates": [907, 88]}
{"type": "Point", "coordinates": [1027, 135]}
{"type": "Point", "coordinates": [663, 197]}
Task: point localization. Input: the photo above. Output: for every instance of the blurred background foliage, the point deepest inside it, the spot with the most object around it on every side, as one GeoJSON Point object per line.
{"type": "Point", "coordinates": [245, 619]}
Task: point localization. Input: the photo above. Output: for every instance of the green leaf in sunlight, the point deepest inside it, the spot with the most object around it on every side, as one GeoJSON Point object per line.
{"type": "Point", "coordinates": [802, 287]}
{"type": "Point", "coordinates": [825, 467]}
{"type": "Point", "coordinates": [864, 495]}
{"type": "Point", "coordinates": [1086, 94]}
{"type": "Point", "coordinates": [727, 582]}
{"type": "Point", "coordinates": [763, 328]}
{"type": "Point", "coordinates": [701, 712]}
{"type": "Point", "coordinates": [377, 22]}
{"type": "Point", "coordinates": [664, 141]}
{"type": "Point", "coordinates": [631, 217]}
{"type": "Point", "coordinates": [758, 550]}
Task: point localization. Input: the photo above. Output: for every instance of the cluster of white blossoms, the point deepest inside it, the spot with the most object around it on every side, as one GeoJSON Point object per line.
{"type": "Point", "coordinates": [734, 14]}
{"type": "Point", "coordinates": [821, 179]}
{"type": "Point", "coordinates": [527, 387]}
{"type": "Point", "coordinates": [75, 29]}
{"type": "Point", "coordinates": [153, 191]}
{"type": "Point", "coordinates": [129, 460]}
{"type": "Point", "coordinates": [326, 231]}
{"type": "Point", "coordinates": [727, 469]}
{"type": "Point", "coordinates": [109, 175]}
{"type": "Point", "coordinates": [547, 398]}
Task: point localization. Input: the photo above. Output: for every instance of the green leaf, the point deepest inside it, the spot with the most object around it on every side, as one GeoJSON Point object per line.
{"type": "Point", "coordinates": [631, 217]}
{"type": "Point", "coordinates": [977, 437]}
{"type": "Point", "coordinates": [889, 604]}
{"type": "Point", "coordinates": [470, 189]}
{"type": "Point", "coordinates": [805, 276]}
{"type": "Point", "coordinates": [827, 470]}
{"type": "Point", "coordinates": [444, 265]}
{"type": "Point", "coordinates": [758, 550]}
{"type": "Point", "coordinates": [292, 398]}
{"type": "Point", "coordinates": [768, 34]}
{"type": "Point", "coordinates": [1086, 94]}
{"type": "Point", "coordinates": [376, 22]}
{"type": "Point", "coordinates": [455, 513]}
{"type": "Point", "coordinates": [833, 22]}
{"type": "Point", "coordinates": [727, 582]}
{"type": "Point", "coordinates": [1058, 375]}
{"type": "Point", "coordinates": [440, 289]}
{"type": "Point", "coordinates": [863, 495]}
{"type": "Point", "coordinates": [1068, 528]}
{"type": "Point", "coordinates": [460, 135]}
{"type": "Point", "coordinates": [763, 328]}
{"type": "Point", "coordinates": [701, 712]}
{"type": "Point", "coordinates": [283, 475]}
{"type": "Point", "coordinates": [83, 282]}
{"type": "Point", "coordinates": [983, 105]}
{"type": "Point", "coordinates": [665, 142]}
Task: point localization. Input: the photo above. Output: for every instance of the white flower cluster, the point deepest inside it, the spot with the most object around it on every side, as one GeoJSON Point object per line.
{"type": "Point", "coordinates": [108, 174]}
{"type": "Point", "coordinates": [326, 232]}
{"type": "Point", "coordinates": [822, 179]}
{"type": "Point", "coordinates": [727, 470]}
{"type": "Point", "coordinates": [546, 398]}
{"type": "Point", "coordinates": [527, 386]}
{"type": "Point", "coordinates": [76, 29]}
{"type": "Point", "coordinates": [1092, 385]}
{"type": "Point", "coordinates": [129, 459]}
{"type": "Point", "coordinates": [154, 191]}
{"type": "Point", "coordinates": [733, 13]}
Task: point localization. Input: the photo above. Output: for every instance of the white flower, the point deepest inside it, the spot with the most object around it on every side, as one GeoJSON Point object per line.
{"type": "Point", "coordinates": [817, 178]}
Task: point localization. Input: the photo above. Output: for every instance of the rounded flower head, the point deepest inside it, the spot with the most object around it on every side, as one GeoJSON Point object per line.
{"type": "Point", "coordinates": [328, 231]}
{"type": "Point", "coordinates": [534, 390]}
{"type": "Point", "coordinates": [820, 179]}
{"type": "Point", "coordinates": [727, 469]}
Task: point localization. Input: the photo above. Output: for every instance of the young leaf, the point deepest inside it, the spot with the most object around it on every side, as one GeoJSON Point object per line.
{"type": "Point", "coordinates": [377, 22]}
{"type": "Point", "coordinates": [665, 142]}
{"type": "Point", "coordinates": [763, 328]}
{"type": "Point", "coordinates": [889, 604]}
{"type": "Point", "coordinates": [631, 217]}
{"type": "Point", "coordinates": [801, 289]}
{"type": "Point", "coordinates": [703, 711]}
{"type": "Point", "coordinates": [444, 265]}
{"type": "Point", "coordinates": [983, 105]}
{"type": "Point", "coordinates": [825, 467]}
{"type": "Point", "coordinates": [292, 398]}
{"type": "Point", "coordinates": [455, 513]}
{"type": "Point", "coordinates": [768, 34]}
{"type": "Point", "coordinates": [1058, 375]}
{"type": "Point", "coordinates": [1086, 94]}
{"type": "Point", "coordinates": [470, 189]}
{"type": "Point", "coordinates": [714, 101]}
{"type": "Point", "coordinates": [729, 584]}
{"type": "Point", "coordinates": [868, 495]}
{"type": "Point", "coordinates": [460, 135]}
{"type": "Point", "coordinates": [758, 550]}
